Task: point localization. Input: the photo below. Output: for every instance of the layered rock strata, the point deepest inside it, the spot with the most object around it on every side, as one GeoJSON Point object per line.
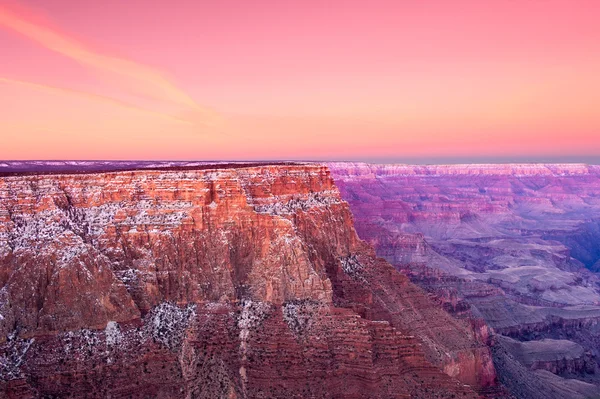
{"type": "Point", "coordinates": [234, 281]}
{"type": "Point", "coordinates": [514, 246]}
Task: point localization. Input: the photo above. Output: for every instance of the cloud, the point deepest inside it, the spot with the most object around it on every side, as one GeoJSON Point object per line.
{"type": "Point", "coordinates": [138, 78]}
{"type": "Point", "coordinates": [94, 97]}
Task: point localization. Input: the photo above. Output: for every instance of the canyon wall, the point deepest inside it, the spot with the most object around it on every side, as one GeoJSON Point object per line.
{"type": "Point", "coordinates": [218, 281]}
{"type": "Point", "coordinates": [509, 247]}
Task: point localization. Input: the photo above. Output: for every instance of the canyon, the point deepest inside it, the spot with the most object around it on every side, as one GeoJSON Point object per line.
{"type": "Point", "coordinates": [257, 279]}
{"type": "Point", "coordinates": [198, 280]}
{"type": "Point", "coordinates": [514, 247]}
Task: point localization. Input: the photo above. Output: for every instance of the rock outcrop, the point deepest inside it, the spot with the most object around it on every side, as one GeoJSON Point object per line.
{"type": "Point", "coordinates": [226, 281]}
{"type": "Point", "coordinates": [555, 355]}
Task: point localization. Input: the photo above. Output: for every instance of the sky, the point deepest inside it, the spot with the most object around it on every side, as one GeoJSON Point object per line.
{"type": "Point", "coordinates": [304, 80]}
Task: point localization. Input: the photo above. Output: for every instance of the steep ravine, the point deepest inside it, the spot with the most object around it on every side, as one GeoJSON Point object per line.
{"type": "Point", "coordinates": [511, 248]}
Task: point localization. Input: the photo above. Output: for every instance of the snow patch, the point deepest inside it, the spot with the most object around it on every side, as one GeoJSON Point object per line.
{"type": "Point", "coordinates": [167, 322]}
{"type": "Point", "coordinates": [253, 313]}
{"type": "Point", "coordinates": [282, 205]}
{"type": "Point", "coordinates": [112, 333]}
{"type": "Point", "coordinates": [351, 265]}
{"type": "Point", "coordinates": [299, 315]}
{"type": "Point", "coordinates": [12, 354]}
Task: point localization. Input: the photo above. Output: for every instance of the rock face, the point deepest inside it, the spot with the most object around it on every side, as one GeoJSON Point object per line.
{"type": "Point", "coordinates": [226, 281]}
{"type": "Point", "coordinates": [555, 355]}
{"type": "Point", "coordinates": [514, 246]}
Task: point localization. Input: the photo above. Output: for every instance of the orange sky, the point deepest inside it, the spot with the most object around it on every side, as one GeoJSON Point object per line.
{"type": "Point", "coordinates": [285, 79]}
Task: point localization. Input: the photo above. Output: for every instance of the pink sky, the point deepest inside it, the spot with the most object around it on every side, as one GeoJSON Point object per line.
{"type": "Point", "coordinates": [305, 79]}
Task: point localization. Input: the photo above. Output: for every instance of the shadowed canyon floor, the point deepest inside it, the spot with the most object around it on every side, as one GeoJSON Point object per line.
{"type": "Point", "coordinates": [199, 281]}
{"type": "Point", "coordinates": [517, 246]}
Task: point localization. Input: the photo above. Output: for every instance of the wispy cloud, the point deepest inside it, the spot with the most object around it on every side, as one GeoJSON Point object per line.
{"type": "Point", "coordinates": [94, 97]}
{"type": "Point", "coordinates": [138, 78]}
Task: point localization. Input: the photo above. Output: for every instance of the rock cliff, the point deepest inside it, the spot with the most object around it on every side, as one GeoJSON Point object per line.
{"type": "Point", "coordinates": [226, 281]}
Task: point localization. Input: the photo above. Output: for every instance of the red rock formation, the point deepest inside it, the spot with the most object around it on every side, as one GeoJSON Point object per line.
{"type": "Point", "coordinates": [230, 282]}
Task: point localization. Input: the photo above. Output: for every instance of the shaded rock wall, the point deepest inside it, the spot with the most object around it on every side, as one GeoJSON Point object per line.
{"type": "Point", "coordinates": [510, 248]}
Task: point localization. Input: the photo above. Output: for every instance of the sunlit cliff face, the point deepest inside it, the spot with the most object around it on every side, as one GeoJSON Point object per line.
{"type": "Point", "coordinates": [229, 280]}
{"type": "Point", "coordinates": [269, 79]}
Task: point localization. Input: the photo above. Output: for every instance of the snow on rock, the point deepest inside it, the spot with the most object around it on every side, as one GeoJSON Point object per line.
{"type": "Point", "coordinates": [113, 333]}
{"type": "Point", "coordinates": [290, 205]}
{"type": "Point", "coordinates": [167, 322]}
{"type": "Point", "coordinates": [352, 267]}
{"type": "Point", "coordinates": [154, 237]}
{"type": "Point", "coordinates": [252, 314]}
{"type": "Point", "coordinates": [12, 354]}
{"type": "Point", "coordinates": [300, 315]}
